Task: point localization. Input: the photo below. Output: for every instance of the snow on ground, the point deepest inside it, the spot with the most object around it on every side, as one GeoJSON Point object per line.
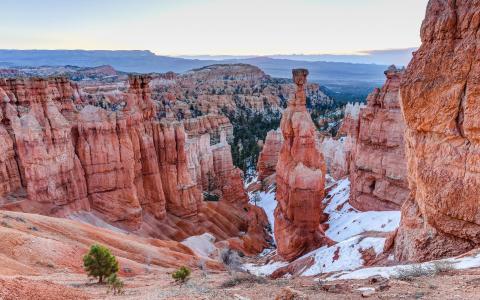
{"type": "Point", "coordinates": [202, 245]}
{"type": "Point", "coordinates": [458, 263]}
{"type": "Point", "coordinates": [347, 226]}
{"type": "Point", "coordinates": [345, 255]}
{"type": "Point", "coordinates": [264, 270]}
{"type": "Point", "coordinates": [346, 222]}
{"type": "Point", "coordinates": [268, 203]}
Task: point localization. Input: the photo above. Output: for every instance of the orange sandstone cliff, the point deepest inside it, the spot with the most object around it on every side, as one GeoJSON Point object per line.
{"type": "Point", "coordinates": [440, 95]}
{"type": "Point", "coordinates": [69, 152]}
{"type": "Point", "coordinates": [378, 166]}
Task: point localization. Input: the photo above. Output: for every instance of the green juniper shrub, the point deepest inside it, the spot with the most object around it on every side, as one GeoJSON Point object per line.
{"type": "Point", "coordinates": [115, 285]}
{"type": "Point", "coordinates": [181, 275]}
{"type": "Point", "coordinates": [210, 197]}
{"type": "Point", "coordinates": [100, 263]}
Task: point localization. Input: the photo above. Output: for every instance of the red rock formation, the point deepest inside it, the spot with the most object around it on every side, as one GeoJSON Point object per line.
{"type": "Point", "coordinates": [300, 180]}
{"type": "Point", "coordinates": [183, 197]}
{"type": "Point", "coordinates": [440, 101]}
{"type": "Point", "coordinates": [49, 168]}
{"type": "Point", "coordinates": [9, 173]}
{"type": "Point", "coordinates": [268, 158]}
{"type": "Point", "coordinates": [226, 88]}
{"type": "Point", "coordinates": [350, 121]}
{"type": "Point", "coordinates": [119, 156]}
{"type": "Point", "coordinates": [334, 152]}
{"type": "Point", "coordinates": [229, 177]}
{"type": "Point", "coordinates": [116, 161]}
{"type": "Point", "coordinates": [140, 112]}
{"type": "Point", "coordinates": [378, 166]}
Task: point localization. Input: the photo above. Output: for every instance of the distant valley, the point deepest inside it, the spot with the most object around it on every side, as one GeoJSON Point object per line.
{"type": "Point", "coordinates": [343, 81]}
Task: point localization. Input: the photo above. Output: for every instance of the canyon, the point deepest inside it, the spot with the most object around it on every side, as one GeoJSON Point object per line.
{"type": "Point", "coordinates": [68, 158]}
{"type": "Point", "coordinates": [231, 172]}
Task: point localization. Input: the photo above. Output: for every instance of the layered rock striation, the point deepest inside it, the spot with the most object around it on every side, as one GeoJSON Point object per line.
{"type": "Point", "coordinates": [70, 152]}
{"type": "Point", "coordinates": [300, 177]}
{"type": "Point", "coordinates": [440, 101]}
{"type": "Point", "coordinates": [40, 156]}
{"type": "Point", "coordinates": [227, 89]}
{"type": "Point", "coordinates": [376, 150]}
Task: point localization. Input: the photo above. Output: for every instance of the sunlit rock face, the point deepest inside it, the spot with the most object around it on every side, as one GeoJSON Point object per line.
{"type": "Point", "coordinates": [300, 177]}
{"type": "Point", "coordinates": [377, 161]}
{"type": "Point", "coordinates": [440, 97]}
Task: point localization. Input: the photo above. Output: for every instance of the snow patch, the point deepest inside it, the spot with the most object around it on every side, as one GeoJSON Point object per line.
{"type": "Point", "coordinates": [202, 245]}
{"type": "Point", "coordinates": [346, 222]}
{"type": "Point", "coordinates": [347, 226]}
{"type": "Point", "coordinates": [266, 201]}
{"type": "Point", "coordinates": [264, 270]}
{"type": "Point", "coordinates": [458, 263]}
{"type": "Point", "coordinates": [345, 255]}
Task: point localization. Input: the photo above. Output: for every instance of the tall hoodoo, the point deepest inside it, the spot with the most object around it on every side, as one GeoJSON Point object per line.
{"type": "Point", "coordinates": [440, 97]}
{"type": "Point", "coordinates": [300, 179]}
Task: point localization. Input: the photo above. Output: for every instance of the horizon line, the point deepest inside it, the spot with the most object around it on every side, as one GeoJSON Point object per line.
{"type": "Point", "coordinates": [339, 53]}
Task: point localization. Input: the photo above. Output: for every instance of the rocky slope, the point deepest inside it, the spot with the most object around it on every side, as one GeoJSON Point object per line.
{"type": "Point", "coordinates": [26, 237]}
{"type": "Point", "coordinates": [300, 177]}
{"type": "Point", "coordinates": [439, 94]}
{"type": "Point", "coordinates": [377, 158]}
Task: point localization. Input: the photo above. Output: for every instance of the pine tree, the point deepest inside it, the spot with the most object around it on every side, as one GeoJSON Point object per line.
{"type": "Point", "coordinates": [99, 262]}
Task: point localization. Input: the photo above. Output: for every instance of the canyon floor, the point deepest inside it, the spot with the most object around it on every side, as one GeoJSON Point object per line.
{"type": "Point", "coordinates": [159, 285]}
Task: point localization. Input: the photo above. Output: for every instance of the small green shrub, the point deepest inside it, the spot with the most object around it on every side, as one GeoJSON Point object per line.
{"type": "Point", "coordinates": [115, 285]}
{"type": "Point", "coordinates": [100, 263]}
{"type": "Point", "coordinates": [181, 275]}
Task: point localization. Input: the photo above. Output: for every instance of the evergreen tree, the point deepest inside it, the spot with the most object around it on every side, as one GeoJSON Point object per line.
{"type": "Point", "coordinates": [100, 263]}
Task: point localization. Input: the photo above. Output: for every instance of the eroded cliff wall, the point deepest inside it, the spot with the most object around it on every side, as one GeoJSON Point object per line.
{"type": "Point", "coordinates": [440, 95]}
{"type": "Point", "coordinates": [377, 160]}
{"type": "Point", "coordinates": [68, 151]}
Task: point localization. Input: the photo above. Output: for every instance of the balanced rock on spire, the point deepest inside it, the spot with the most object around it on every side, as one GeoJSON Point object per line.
{"type": "Point", "coordinates": [300, 180]}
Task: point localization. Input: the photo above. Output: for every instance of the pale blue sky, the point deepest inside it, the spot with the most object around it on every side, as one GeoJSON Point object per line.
{"type": "Point", "coordinates": [182, 27]}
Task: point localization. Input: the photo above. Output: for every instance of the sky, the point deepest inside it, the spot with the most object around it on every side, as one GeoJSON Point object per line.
{"type": "Point", "coordinates": [213, 27]}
